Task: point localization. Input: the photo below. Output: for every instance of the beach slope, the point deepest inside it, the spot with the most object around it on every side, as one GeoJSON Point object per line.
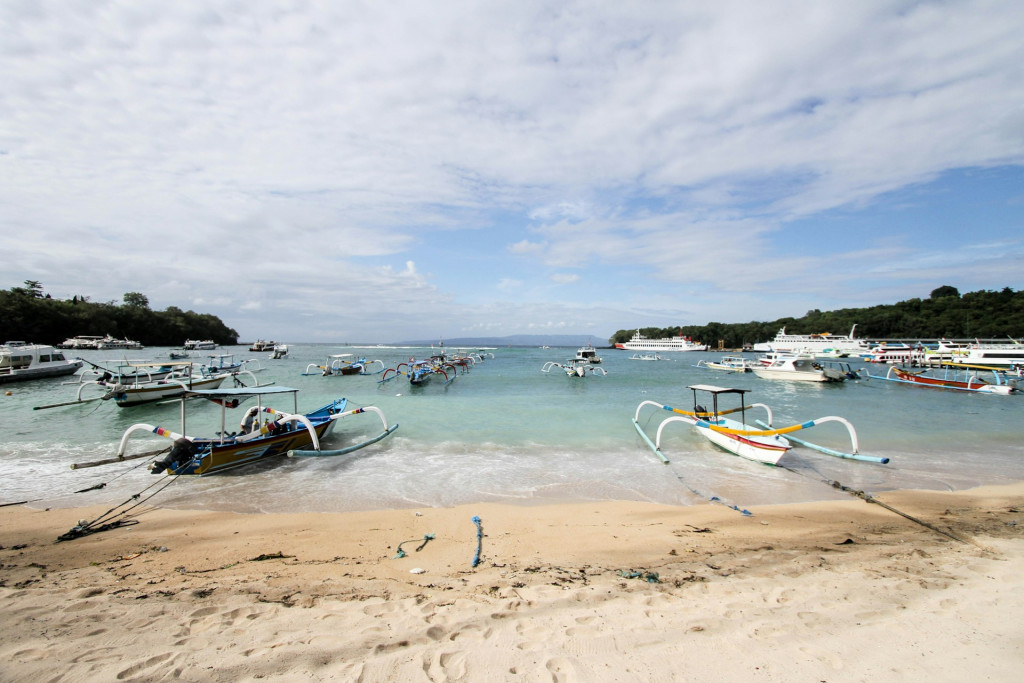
{"type": "Point", "coordinates": [835, 591]}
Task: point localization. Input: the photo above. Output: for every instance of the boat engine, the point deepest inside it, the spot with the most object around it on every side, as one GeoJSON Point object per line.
{"type": "Point", "coordinates": [182, 452]}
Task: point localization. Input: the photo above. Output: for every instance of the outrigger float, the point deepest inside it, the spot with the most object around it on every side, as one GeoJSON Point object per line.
{"type": "Point", "coordinates": [956, 377]}
{"type": "Point", "coordinates": [286, 433]}
{"type": "Point", "coordinates": [340, 364]}
{"type": "Point", "coordinates": [766, 445]}
{"type": "Point", "coordinates": [577, 367]}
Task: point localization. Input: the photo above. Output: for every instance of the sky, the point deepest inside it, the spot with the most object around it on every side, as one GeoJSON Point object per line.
{"type": "Point", "coordinates": [336, 171]}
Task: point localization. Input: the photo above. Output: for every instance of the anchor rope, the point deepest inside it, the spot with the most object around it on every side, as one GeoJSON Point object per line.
{"type": "Point", "coordinates": [100, 523]}
{"type": "Point", "coordinates": [869, 498]}
{"type": "Point", "coordinates": [712, 498]}
{"type": "Point", "coordinates": [401, 553]}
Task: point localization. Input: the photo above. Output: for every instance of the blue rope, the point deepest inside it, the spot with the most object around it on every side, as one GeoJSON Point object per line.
{"type": "Point", "coordinates": [479, 539]}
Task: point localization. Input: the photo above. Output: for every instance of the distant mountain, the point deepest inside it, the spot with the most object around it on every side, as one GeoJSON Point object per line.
{"type": "Point", "coordinates": [515, 340]}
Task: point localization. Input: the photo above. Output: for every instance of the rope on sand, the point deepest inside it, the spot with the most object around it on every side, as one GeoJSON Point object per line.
{"type": "Point", "coordinates": [479, 540]}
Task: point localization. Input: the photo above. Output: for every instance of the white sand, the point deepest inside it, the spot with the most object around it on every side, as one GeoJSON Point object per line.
{"type": "Point", "coordinates": [838, 591]}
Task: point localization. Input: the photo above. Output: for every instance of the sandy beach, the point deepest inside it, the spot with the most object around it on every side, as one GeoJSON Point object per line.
{"type": "Point", "coordinates": [836, 591]}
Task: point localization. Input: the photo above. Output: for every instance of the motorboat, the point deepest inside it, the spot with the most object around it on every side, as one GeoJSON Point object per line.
{"type": "Point", "coordinates": [587, 354]}
{"type": "Point", "coordinates": [20, 361]}
{"type": "Point", "coordinates": [801, 368]}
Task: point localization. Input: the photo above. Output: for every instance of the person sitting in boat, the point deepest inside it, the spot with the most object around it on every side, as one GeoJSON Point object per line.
{"type": "Point", "coordinates": [250, 424]}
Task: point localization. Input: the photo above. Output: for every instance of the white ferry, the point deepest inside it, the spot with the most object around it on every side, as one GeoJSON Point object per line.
{"type": "Point", "coordinates": [992, 355]}
{"type": "Point", "coordinates": [825, 344]}
{"type": "Point", "coordinates": [677, 343]}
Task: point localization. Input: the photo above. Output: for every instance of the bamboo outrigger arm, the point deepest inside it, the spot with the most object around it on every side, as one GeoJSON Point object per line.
{"type": "Point", "coordinates": [355, 447]}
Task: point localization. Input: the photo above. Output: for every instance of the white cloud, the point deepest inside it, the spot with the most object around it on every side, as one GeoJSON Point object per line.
{"type": "Point", "coordinates": [288, 155]}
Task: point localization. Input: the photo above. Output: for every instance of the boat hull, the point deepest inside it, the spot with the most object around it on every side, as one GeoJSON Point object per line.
{"type": "Point", "coordinates": [127, 397]}
{"type": "Point", "coordinates": [220, 458]}
{"type": "Point", "coordinates": [794, 375]}
{"type": "Point", "coordinates": [764, 449]}
{"type": "Point", "coordinates": [39, 373]}
{"type": "Point", "coordinates": [940, 383]}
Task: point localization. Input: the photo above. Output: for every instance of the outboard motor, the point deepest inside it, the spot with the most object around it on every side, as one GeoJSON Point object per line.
{"type": "Point", "coordinates": [182, 452]}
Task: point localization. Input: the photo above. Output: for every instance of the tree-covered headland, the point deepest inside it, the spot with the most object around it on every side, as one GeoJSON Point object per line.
{"type": "Point", "coordinates": [29, 314]}
{"type": "Point", "coordinates": [985, 314]}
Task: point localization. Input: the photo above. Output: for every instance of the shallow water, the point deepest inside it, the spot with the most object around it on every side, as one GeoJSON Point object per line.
{"type": "Point", "coordinates": [506, 432]}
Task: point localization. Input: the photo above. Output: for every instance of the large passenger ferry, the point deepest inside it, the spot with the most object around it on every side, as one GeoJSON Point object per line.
{"type": "Point", "coordinates": [824, 344]}
{"type": "Point", "coordinates": [677, 343]}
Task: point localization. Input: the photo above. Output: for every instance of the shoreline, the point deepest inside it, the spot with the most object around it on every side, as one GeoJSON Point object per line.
{"type": "Point", "coordinates": [610, 590]}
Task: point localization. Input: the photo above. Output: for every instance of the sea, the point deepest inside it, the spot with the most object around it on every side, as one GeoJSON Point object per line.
{"type": "Point", "coordinates": [503, 431]}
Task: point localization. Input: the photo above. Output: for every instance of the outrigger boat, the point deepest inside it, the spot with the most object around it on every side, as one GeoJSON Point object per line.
{"type": "Point", "coordinates": [135, 384]}
{"type": "Point", "coordinates": [576, 367]}
{"type": "Point", "coordinates": [339, 364]}
{"type": "Point", "coordinates": [957, 378]}
{"type": "Point", "coordinates": [727, 364]}
{"type": "Point", "coordinates": [420, 372]}
{"type": "Point", "coordinates": [766, 445]}
{"type": "Point", "coordinates": [288, 433]}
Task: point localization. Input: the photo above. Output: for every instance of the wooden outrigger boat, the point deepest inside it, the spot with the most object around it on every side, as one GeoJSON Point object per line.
{"type": "Point", "coordinates": [340, 364]}
{"type": "Point", "coordinates": [135, 384]}
{"type": "Point", "coordinates": [576, 367]}
{"type": "Point", "coordinates": [420, 372]}
{"type": "Point", "coordinates": [956, 377]}
{"type": "Point", "coordinates": [288, 433]}
{"type": "Point", "coordinates": [766, 445]}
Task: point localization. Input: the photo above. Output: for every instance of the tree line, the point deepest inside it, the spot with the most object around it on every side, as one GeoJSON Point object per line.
{"type": "Point", "coordinates": [985, 314]}
{"type": "Point", "coordinates": [29, 314]}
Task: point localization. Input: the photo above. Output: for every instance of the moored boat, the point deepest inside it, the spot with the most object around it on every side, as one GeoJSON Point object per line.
{"type": "Point", "coordinates": [767, 445]}
{"type": "Point", "coordinates": [575, 367]}
{"type": "Point", "coordinates": [824, 344]}
{"type": "Point", "coordinates": [956, 378]}
{"type": "Point", "coordinates": [802, 368]}
{"type": "Point", "coordinates": [199, 344]}
{"type": "Point", "coordinates": [727, 364]}
{"type": "Point", "coordinates": [587, 354]}
{"type": "Point", "coordinates": [20, 361]}
{"type": "Point", "coordinates": [283, 433]}
{"type": "Point", "coordinates": [677, 343]}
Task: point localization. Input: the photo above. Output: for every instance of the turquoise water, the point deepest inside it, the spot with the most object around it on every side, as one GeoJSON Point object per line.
{"type": "Point", "coordinates": [506, 432]}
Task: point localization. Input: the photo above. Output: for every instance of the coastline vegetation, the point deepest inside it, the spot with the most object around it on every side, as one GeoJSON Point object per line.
{"type": "Point", "coordinates": [29, 314]}
{"type": "Point", "coordinates": [985, 314]}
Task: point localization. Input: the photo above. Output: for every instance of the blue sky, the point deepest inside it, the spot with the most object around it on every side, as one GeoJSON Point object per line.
{"type": "Point", "coordinates": [342, 171]}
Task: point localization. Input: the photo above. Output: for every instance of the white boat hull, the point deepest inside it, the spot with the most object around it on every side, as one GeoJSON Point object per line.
{"type": "Point", "coordinates": [764, 449]}
{"type": "Point", "coordinates": [796, 375]}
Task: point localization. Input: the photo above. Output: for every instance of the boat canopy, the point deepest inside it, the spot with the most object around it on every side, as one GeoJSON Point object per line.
{"type": "Point", "coordinates": [240, 392]}
{"type": "Point", "coordinates": [716, 390]}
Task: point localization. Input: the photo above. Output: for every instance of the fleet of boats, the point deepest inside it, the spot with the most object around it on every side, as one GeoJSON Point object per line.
{"type": "Point", "coordinates": [267, 431]}
{"type": "Point", "coordinates": [91, 342]}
